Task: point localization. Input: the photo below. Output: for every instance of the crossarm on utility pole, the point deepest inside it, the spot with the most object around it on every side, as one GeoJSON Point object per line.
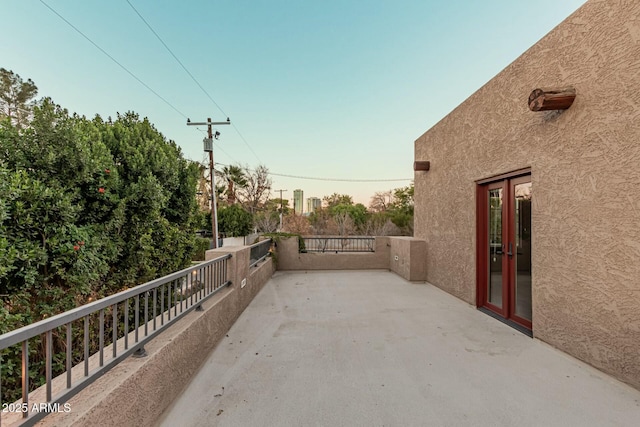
{"type": "Point", "coordinates": [214, 209]}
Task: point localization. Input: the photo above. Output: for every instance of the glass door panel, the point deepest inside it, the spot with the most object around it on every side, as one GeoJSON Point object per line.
{"type": "Point", "coordinates": [494, 295]}
{"type": "Point", "coordinates": [522, 255]}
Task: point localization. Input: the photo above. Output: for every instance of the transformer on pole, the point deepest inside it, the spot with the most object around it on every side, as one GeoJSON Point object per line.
{"type": "Point", "coordinates": [208, 147]}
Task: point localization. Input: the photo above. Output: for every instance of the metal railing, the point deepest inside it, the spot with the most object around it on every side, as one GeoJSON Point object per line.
{"type": "Point", "coordinates": [124, 322]}
{"type": "Point", "coordinates": [259, 251]}
{"type": "Point", "coordinates": [339, 244]}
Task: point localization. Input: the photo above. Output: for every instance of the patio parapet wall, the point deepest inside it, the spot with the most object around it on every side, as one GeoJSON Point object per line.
{"type": "Point", "coordinates": [407, 257]}
{"type": "Point", "coordinates": [138, 390]}
{"type": "Point", "coordinates": [404, 256]}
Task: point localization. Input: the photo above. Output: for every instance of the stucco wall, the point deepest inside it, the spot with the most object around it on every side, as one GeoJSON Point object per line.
{"type": "Point", "coordinates": [585, 176]}
{"type": "Point", "coordinates": [290, 259]}
{"type": "Point", "coordinates": [406, 258]}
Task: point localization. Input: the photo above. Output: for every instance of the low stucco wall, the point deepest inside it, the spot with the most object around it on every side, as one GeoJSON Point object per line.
{"type": "Point", "coordinates": [407, 258]}
{"type": "Point", "coordinates": [290, 259]}
{"type": "Point", "coordinates": [138, 390]}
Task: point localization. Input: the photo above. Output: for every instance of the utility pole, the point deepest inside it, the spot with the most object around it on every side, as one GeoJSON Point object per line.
{"type": "Point", "coordinates": [208, 146]}
{"type": "Point", "coordinates": [281, 206]}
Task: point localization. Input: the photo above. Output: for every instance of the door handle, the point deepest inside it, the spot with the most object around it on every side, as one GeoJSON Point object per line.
{"type": "Point", "coordinates": [510, 253]}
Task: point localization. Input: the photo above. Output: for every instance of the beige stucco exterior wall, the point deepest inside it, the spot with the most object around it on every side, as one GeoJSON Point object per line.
{"type": "Point", "coordinates": [585, 166]}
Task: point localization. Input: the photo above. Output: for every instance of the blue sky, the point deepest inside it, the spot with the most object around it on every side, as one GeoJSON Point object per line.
{"type": "Point", "coordinates": [329, 89]}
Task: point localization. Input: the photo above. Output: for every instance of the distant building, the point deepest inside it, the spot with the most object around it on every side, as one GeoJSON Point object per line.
{"type": "Point", "coordinates": [298, 202]}
{"type": "Point", "coordinates": [313, 203]}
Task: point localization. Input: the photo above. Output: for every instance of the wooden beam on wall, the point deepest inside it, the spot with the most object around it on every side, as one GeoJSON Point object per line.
{"type": "Point", "coordinates": [419, 165]}
{"type": "Point", "coordinates": [551, 99]}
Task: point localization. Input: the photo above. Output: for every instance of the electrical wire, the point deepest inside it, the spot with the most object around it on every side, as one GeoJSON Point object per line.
{"type": "Point", "coordinates": [113, 59]}
{"type": "Point", "coordinates": [340, 179]}
{"type": "Point", "coordinates": [174, 56]}
{"type": "Point", "coordinates": [330, 179]}
{"type": "Point", "coordinates": [227, 154]}
{"type": "Point", "coordinates": [245, 141]}
{"type": "Point", "coordinates": [192, 77]}
{"type": "Point", "coordinates": [127, 70]}
{"type": "Point", "coordinates": [183, 115]}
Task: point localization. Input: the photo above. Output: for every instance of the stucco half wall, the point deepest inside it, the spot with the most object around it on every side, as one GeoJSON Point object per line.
{"type": "Point", "coordinates": [586, 184]}
{"type": "Point", "coordinates": [138, 390]}
{"type": "Point", "coordinates": [405, 256]}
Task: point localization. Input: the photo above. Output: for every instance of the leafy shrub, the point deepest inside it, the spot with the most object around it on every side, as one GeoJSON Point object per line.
{"type": "Point", "coordinates": [202, 245]}
{"type": "Point", "coordinates": [87, 208]}
{"type": "Point", "coordinates": [234, 221]}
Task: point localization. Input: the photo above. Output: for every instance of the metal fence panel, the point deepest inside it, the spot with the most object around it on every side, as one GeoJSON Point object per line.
{"type": "Point", "coordinates": [339, 244]}
{"type": "Point", "coordinates": [111, 322]}
{"type": "Point", "coordinates": [259, 251]}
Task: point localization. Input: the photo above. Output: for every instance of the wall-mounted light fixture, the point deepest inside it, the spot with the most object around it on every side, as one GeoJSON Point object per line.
{"type": "Point", "coordinates": [551, 99]}
{"type": "Point", "coordinates": [420, 165]}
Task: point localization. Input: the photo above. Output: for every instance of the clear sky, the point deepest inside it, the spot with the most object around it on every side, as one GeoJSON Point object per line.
{"type": "Point", "coordinates": [328, 89]}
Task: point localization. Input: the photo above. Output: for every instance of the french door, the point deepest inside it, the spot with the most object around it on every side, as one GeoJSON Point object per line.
{"type": "Point", "coordinates": [504, 248]}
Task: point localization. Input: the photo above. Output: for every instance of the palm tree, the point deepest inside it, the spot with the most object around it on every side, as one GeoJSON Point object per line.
{"type": "Point", "coordinates": [235, 178]}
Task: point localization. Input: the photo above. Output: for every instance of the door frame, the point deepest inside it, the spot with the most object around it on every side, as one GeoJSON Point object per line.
{"type": "Point", "coordinates": [507, 182]}
{"type": "Point", "coordinates": [511, 223]}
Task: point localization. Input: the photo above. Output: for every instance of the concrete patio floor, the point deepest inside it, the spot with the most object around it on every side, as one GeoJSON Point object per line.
{"type": "Point", "coordinates": [367, 348]}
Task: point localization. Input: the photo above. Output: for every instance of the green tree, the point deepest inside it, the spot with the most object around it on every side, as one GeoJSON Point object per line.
{"type": "Point", "coordinates": [157, 199]}
{"type": "Point", "coordinates": [337, 199]}
{"type": "Point", "coordinates": [403, 198]}
{"type": "Point", "coordinates": [235, 178]}
{"type": "Point", "coordinates": [87, 208]}
{"type": "Point", "coordinates": [358, 213]}
{"type": "Point", "coordinates": [401, 210]}
{"type": "Point", "coordinates": [53, 200]}
{"type": "Point", "coordinates": [234, 221]}
{"type": "Point", "coordinates": [273, 205]}
{"type": "Point", "coordinates": [55, 223]}
{"type": "Point", "coordinates": [120, 188]}
{"type": "Point", "coordinates": [16, 97]}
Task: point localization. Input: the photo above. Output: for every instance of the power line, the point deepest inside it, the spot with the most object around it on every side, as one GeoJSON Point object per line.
{"type": "Point", "coordinates": [174, 56]}
{"type": "Point", "coordinates": [228, 155]}
{"type": "Point", "coordinates": [245, 141]}
{"type": "Point", "coordinates": [192, 77]}
{"type": "Point", "coordinates": [331, 179]}
{"type": "Point", "coordinates": [113, 59]}
{"type": "Point", "coordinates": [183, 115]}
{"type": "Point", "coordinates": [123, 67]}
{"type": "Point", "coordinates": [340, 179]}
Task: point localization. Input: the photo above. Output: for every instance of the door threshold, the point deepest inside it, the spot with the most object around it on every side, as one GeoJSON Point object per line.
{"type": "Point", "coordinates": [528, 332]}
